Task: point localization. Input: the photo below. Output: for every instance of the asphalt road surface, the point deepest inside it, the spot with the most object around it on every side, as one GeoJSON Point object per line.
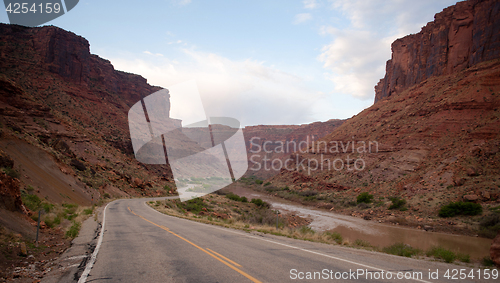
{"type": "Point", "coordinates": [140, 244]}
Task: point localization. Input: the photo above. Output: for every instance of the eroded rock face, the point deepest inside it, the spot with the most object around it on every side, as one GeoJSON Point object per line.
{"type": "Point", "coordinates": [460, 36]}
{"type": "Point", "coordinates": [10, 194]}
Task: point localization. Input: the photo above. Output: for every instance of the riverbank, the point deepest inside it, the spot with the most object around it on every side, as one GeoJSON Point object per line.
{"type": "Point", "coordinates": [383, 228]}
{"type": "Point", "coordinates": [236, 212]}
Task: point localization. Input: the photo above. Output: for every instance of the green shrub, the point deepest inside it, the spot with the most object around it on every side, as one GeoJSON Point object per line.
{"type": "Point", "coordinates": [259, 182]}
{"type": "Point", "coordinates": [259, 202]}
{"type": "Point", "coordinates": [442, 253]}
{"type": "Point", "coordinates": [73, 230]}
{"type": "Point", "coordinates": [463, 257]}
{"type": "Point", "coordinates": [47, 207]}
{"type": "Point", "coordinates": [402, 249]}
{"type": "Point", "coordinates": [460, 208]}
{"type": "Point", "coordinates": [51, 223]}
{"type": "Point", "coordinates": [233, 196]}
{"type": "Point", "coordinates": [267, 184]}
{"type": "Point", "coordinates": [88, 211]}
{"type": "Point", "coordinates": [193, 205]}
{"type": "Point", "coordinates": [364, 197]}
{"type": "Point", "coordinates": [397, 203]}
{"type": "Point", "coordinates": [335, 236]}
{"type": "Point", "coordinates": [33, 202]}
{"type": "Point", "coordinates": [487, 261]}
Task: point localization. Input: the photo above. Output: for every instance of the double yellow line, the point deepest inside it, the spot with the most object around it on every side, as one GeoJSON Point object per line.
{"type": "Point", "coordinates": [233, 265]}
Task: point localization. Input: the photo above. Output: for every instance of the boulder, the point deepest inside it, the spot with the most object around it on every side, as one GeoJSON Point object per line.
{"type": "Point", "coordinates": [471, 198]}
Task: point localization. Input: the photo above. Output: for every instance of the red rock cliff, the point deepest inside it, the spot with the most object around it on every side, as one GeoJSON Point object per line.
{"type": "Point", "coordinates": [460, 36]}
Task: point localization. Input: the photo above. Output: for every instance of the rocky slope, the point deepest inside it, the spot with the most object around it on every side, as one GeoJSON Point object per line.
{"type": "Point", "coordinates": [460, 37]}
{"type": "Point", "coordinates": [433, 139]}
{"type": "Point", "coordinates": [57, 98]}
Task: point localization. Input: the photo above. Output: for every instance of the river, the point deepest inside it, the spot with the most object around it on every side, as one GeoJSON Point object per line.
{"type": "Point", "coordinates": [377, 234]}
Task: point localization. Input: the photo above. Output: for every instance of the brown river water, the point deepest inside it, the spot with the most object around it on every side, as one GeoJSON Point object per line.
{"type": "Point", "coordinates": [377, 234]}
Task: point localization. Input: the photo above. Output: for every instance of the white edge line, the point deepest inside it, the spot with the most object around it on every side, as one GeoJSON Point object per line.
{"type": "Point", "coordinates": [286, 245]}
{"type": "Point", "coordinates": [85, 274]}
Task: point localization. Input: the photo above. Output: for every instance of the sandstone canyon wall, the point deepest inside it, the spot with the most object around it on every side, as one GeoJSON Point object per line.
{"type": "Point", "coordinates": [460, 36]}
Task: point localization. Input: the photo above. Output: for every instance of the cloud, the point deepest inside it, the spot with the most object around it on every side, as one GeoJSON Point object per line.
{"type": "Point", "coordinates": [355, 58]}
{"type": "Point", "coordinates": [301, 18]}
{"type": "Point", "coordinates": [310, 4]}
{"type": "Point", "coordinates": [244, 89]}
{"type": "Point", "coordinates": [156, 54]}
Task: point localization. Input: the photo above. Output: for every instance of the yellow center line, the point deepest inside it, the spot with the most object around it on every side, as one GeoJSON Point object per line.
{"type": "Point", "coordinates": [205, 251]}
{"type": "Point", "coordinates": [224, 257]}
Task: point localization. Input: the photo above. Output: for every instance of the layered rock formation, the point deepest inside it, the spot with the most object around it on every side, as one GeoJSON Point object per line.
{"type": "Point", "coordinates": [461, 36]}
{"type": "Point", "coordinates": [268, 143]}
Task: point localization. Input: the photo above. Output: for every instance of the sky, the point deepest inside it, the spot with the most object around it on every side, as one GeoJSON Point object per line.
{"type": "Point", "coordinates": [263, 62]}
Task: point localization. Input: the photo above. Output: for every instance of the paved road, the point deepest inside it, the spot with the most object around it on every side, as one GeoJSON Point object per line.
{"type": "Point", "coordinates": [140, 244]}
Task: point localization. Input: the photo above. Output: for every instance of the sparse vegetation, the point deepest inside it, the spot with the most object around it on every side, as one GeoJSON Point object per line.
{"type": "Point", "coordinates": [73, 230]}
{"type": "Point", "coordinates": [11, 172]}
{"type": "Point", "coordinates": [32, 202]}
{"type": "Point", "coordinates": [442, 253]}
{"type": "Point", "coordinates": [402, 249]}
{"type": "Point", "coordinates": [335, 236]}
{"type": "Point", "coordinates": [194, 205]}
{"type": "Point", "coordinates": [490, 226]}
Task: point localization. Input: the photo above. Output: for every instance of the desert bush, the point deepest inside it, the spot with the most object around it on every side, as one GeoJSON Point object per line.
{"type": "Point", "coordinates": [335, 236]}
{"type": "Point", "coordinates": [460, 208]}
{"type": "Point", "coordinates": [259, 182]}
{"type": "Point", "coordinates": [463, 257]}
{"type": "Point", "coordinates": [442, 253]}
{"type": "Point", "coordinates": [236, 197]}
{"type": "Point", "coordinates": [402, 249]}
{"type": "Point", "coordinates": [397, 203]}
{"type": "Point", "coordinates": [73, 230]}
{"type": "Point", "coordinates": [193, 205]}
{"type": "Point", "coordinates": [487, 261]}
{"type": "Point", "coordinates": [259, 202]}
{"type": "Point", "coordinates": [364, 197]}
{"type": "Point", "coordinates": [51, 223]}
{"type": "Point", "coordinates": [262, 216]}
{"type": "Point", "coordinates": [33, 202]}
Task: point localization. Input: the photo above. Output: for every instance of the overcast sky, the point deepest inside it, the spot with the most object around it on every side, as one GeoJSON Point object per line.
{"type": "Point", "coordinates": [262, 62]}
